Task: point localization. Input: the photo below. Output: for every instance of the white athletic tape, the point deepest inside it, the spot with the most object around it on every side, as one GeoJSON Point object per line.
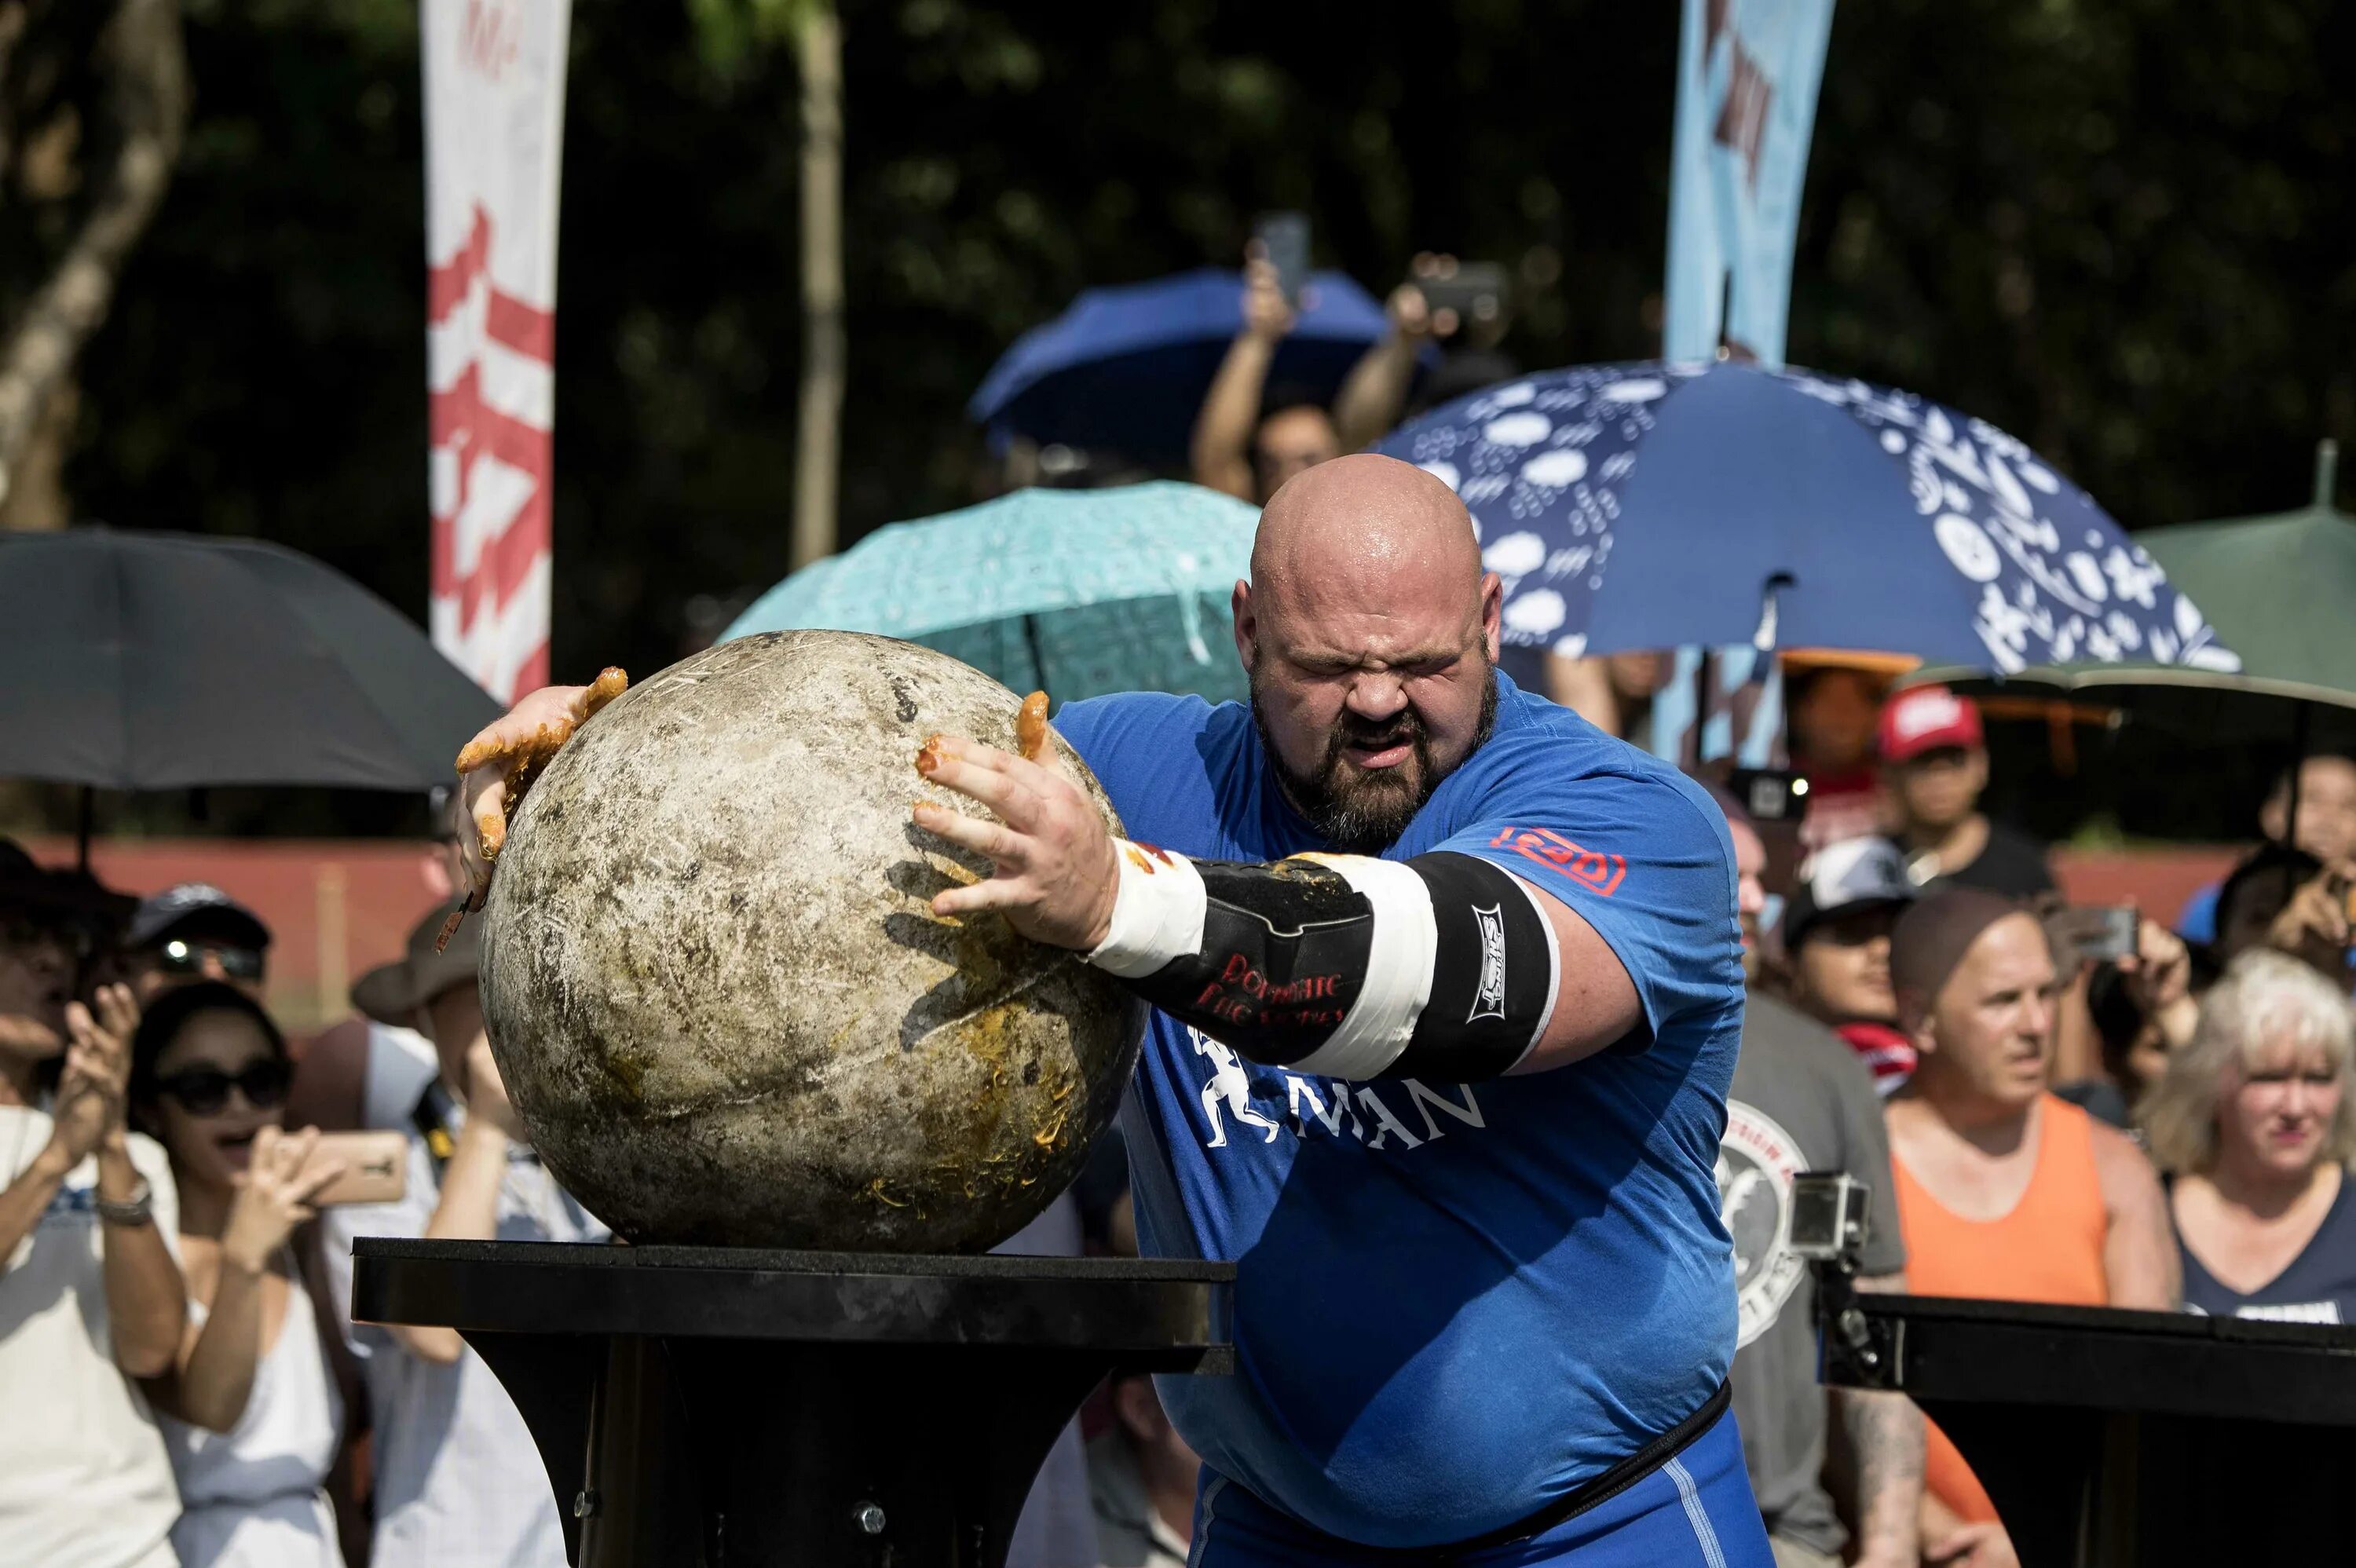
{"type": "Point", "coordinates": [1399, 969]}
{"type": "Point", "coordinates": [1156, 916]}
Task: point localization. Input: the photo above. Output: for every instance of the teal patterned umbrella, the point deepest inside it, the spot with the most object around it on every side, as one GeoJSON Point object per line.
{"type": "Point", "coordinates": [1078, 592]}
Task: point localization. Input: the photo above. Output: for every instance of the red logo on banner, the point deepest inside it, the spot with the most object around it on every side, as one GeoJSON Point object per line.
{"type": "Point", "coordinates": [462, 423]}
{"type": "Point", "coordinates": [1589, 868]}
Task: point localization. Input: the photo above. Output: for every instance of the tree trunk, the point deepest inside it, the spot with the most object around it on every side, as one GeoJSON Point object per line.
{"type": "Point", "coordinates": [146, 98]}
{"type": "Point", "coordinates": [818, 443]}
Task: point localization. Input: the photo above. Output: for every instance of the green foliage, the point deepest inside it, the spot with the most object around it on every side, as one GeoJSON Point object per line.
{"type": "Point", "coordinates": [2118, 229]}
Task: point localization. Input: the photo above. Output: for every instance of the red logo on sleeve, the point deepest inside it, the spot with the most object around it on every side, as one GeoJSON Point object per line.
{"type": "Point", "coordinates": [1590, 868]}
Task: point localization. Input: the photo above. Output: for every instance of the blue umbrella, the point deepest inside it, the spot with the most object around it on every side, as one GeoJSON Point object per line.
{"type": "Point", "coordinates": [1076, 591]}
{"type": "Point", "coordinates": [1650, 505]}
{"type": "Point", "coordinates": [1125, 368]}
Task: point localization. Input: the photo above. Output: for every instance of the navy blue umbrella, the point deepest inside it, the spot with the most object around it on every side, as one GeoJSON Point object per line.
{"type": "Point", "coordinates": [1651, 505]}
{"type": "Point", "coordinates": [1125, 368]}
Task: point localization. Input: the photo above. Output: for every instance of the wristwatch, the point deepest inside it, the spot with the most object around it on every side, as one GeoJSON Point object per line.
{"type": "Point", "coordinates": [136, 1210]}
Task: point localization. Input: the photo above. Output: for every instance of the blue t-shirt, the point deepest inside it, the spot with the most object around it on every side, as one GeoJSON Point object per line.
{"type": "Point", "coordinates": [1453, 1302]}
{"type": "Point", "coordinates": [2316, 1286]}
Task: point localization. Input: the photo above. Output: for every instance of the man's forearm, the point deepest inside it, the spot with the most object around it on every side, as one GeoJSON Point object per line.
{"type": "Point", "coordinates": [146, 1300]}
{"type": "Point", "coordinates": [1884, 1435]}
{"type": "Point", "coordinates": [1375, 393]}
{"type": "Point", "coordinates": [27, 1198]}
{"type": "Point", "coordinates": [468, 1211]}
{"type": "Point", "coordinates": [1221, 448]}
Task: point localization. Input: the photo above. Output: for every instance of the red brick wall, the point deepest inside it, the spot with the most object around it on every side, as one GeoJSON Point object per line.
{"type": "Point", "coordinates": [336, 908]}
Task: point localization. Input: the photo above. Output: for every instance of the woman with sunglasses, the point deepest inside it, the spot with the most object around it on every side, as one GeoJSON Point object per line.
{"type": "Point", "coordinates": [250, 1413]}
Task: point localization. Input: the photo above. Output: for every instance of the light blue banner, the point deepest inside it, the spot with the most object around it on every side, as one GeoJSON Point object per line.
{"type": "Point", "coordinates": [1747, 78]}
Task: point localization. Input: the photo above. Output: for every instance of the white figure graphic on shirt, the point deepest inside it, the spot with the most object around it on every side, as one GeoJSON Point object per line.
{"type": "Point", "coordinates": [1231, 1084]}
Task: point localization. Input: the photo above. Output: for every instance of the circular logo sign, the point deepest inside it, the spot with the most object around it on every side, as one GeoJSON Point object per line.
{"type": "Point", "coordinates": [1756, 1162]}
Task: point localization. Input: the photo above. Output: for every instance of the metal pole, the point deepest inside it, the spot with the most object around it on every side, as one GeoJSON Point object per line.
{"type": "Point", "coordinates": [1038, 660]}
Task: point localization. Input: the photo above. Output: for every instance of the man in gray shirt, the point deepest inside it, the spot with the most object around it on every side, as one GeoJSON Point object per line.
{"type": "Point", "coordinates": [1803, 1101]}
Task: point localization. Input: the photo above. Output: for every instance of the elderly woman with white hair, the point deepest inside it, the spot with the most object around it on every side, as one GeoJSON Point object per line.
{"type": "Point", "coordinates": [2255, 1122]}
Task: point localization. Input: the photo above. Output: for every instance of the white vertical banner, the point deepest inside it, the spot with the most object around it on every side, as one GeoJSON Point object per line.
{"type": "Point", "coordinates": [494, 145]}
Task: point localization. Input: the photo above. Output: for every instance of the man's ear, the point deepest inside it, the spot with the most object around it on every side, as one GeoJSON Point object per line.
{"type": "Point", "coordinates": [1914, 1021]}
{"type": "Point", "coordinates": [1493, 612]}
{"type": "Point", "coordinates": [1246, 623]}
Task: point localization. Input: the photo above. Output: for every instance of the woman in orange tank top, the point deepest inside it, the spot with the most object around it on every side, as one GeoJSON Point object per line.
{"type": "Point", "coordinates": [2048, 1247]}
{"type": "Point", "coordinates": [2004, 1191]}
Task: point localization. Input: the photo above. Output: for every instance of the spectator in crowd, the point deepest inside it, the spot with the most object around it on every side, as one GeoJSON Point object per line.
{"type": "Point", "coordinates": [1836, 934]}
{"type": "Point", "coordinates": [2004, 1191]}
{"type": "Point", "coordinates": [252, 1415]}
{"type": "Point", "coordinates": [1802, 1101]}
{"type": "Point", "coordinates": [457, 1476]}
{"type": "Point", "coordinates": [193, 932]}
{"type": "Point", "coordinates": [1141, 1481]}
{"type": "Point", "coordinates": [2142, 1011]}
{"type": "Point", "coordinates": [90, 1297]}
{"type": "Point", "coordinates": [2326, 829]}
{"type": "Point", "coordinates": [2285, 899]}
{"type": "Point", "coordinates": [1832, 712]}
{"type": "Point", "coordinates": [1934, 765]}
{"type": "Point", "coordinates": [1247, 443]}
{"type": "Point", "coordinates": [2255, 1123]}
{"type": "Point", "coordinates": [1614, 692]}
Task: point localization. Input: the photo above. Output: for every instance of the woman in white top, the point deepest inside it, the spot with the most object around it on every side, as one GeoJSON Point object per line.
{"type": "Point", "coordinates": [250, 1413]}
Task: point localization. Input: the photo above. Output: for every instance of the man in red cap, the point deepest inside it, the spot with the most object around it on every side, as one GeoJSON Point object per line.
{"type": "Point", "coordinates": [1934, 766]}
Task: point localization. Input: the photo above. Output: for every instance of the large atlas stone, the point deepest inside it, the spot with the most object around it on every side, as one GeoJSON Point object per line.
{"type": "Point", "coordinates": [720, 998]}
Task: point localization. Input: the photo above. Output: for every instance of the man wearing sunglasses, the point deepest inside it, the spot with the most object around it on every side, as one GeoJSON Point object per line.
{"type": "Point", "coordinates": [194, 932]}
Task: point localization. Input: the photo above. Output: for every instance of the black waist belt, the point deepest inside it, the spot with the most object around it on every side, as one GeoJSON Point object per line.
{"type": "Point", "coordinates": [1578, 1499]}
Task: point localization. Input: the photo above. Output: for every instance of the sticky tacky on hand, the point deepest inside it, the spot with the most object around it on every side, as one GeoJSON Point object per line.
{"type": "Point", "coordinates": [518, 755]}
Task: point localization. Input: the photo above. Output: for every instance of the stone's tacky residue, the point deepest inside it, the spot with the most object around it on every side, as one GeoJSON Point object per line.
{"type": "Point", "coordinates": [718, 993]}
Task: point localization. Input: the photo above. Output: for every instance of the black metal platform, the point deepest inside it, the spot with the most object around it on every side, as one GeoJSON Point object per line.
{"type": "Point", "coordinates": [726, 1407]}
{"type": "Point", "coordinates": [2108, 1437]}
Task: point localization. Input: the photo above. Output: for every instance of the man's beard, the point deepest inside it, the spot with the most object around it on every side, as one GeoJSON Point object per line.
{"type": "Point", "coordinates": [1365, 813]}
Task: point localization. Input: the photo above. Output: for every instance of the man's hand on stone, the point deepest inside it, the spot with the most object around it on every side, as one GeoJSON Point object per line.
{"type": "Point", "coordinates": [1055, 874]}
{"type": "Point", "coordinates": [497, 766]}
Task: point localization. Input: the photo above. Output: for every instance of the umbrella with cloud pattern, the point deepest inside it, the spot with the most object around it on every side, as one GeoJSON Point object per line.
{"type": "Point", "coordinates": [1649, 505]}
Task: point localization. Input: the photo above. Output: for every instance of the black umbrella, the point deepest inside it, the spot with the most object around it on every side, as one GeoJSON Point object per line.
{"type": "Point", "coordinates": [142, 661]}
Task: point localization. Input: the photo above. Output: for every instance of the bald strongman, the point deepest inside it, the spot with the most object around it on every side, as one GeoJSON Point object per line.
{"type": "Point", "coordinates": [1447, 986]}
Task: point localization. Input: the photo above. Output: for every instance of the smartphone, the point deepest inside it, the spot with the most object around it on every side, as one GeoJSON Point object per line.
{"type": "Point", "coordinates": [376, 1167]}
{"type": "Point", "coordinates": [1475, 290]}
{"type": "Point", "coordinates": [2097, 933]}
{"type": "Point", "coordinates": [1282, 240]}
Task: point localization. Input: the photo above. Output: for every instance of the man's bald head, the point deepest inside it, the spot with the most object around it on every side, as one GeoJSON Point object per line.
{"type": "Point", "coordinates": [1364, 521]}
{"type": "Point", "coordinates": [1370, 632]}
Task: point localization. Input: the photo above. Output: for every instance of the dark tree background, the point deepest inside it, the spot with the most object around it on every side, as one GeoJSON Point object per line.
{"type": "Point", "coordinates": [2120, 229]}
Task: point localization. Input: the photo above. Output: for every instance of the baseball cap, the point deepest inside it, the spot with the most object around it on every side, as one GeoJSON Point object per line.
{"type": "Point", "coordinates": [392, 993]}
{"type": "Point", "coordinates": [1923, 719]}
{"type": "Point", "coordinates": [194, 909]}
{"type": "Point", "coordinates": [1839, 879]}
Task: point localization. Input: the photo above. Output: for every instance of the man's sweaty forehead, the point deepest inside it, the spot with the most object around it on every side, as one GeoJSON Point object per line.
{"type": "Point", "coordinates": [1366, 556]}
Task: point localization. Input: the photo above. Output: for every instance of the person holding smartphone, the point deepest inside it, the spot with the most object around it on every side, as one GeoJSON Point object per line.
{"type": "Point", "coordinates": [252, 1414]}
{"type": "Point", "coordinates": [1247, 442]}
